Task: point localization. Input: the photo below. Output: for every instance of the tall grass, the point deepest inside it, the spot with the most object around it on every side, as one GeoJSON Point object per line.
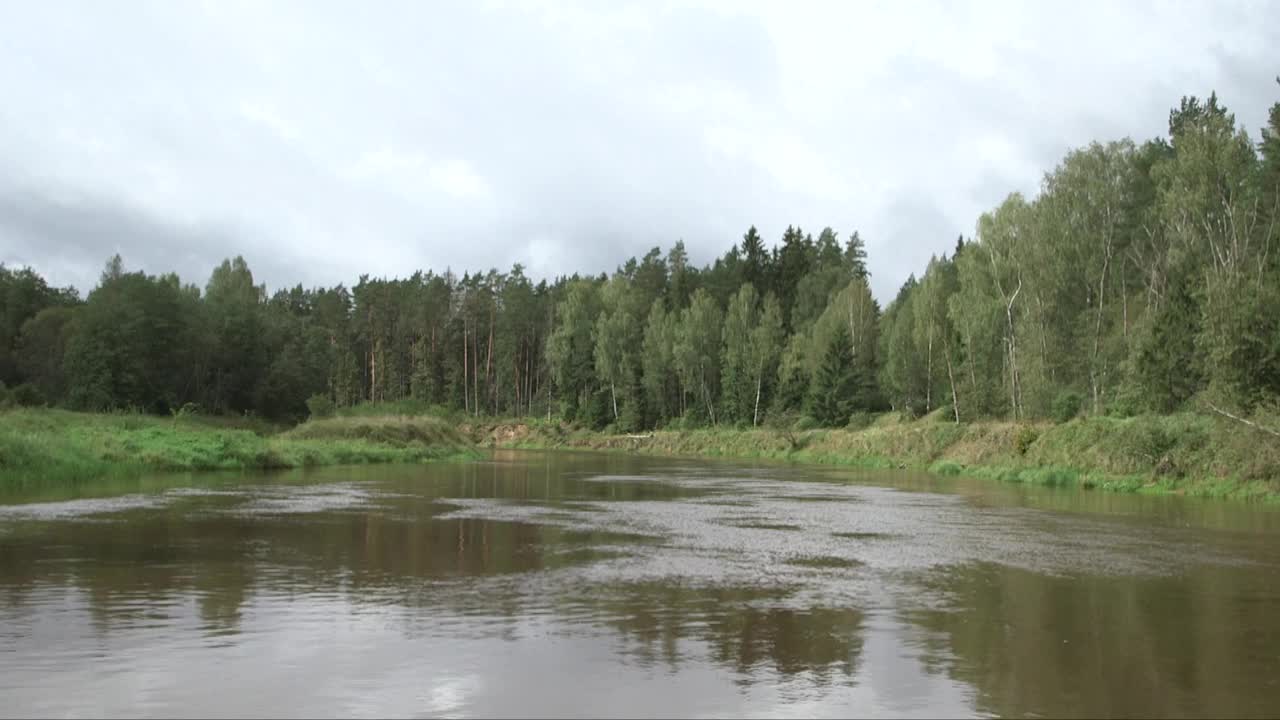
{"type": "Point", "coordinates": [53, 446]}
{"type": "Point", "coordinates": [1183, 453]}
{"type": "Point", "coordinates": [395, 431]}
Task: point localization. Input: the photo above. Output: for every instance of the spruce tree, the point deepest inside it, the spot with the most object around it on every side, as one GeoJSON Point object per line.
{"type": "Point", "coordinates": [835, 383]}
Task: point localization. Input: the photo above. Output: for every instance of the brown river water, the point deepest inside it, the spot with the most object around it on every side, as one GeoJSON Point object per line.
{"type": "Point", "coordinates": [576, 584]}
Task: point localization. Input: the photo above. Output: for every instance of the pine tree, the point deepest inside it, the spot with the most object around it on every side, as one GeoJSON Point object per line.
{"type": "Point", "coordinates": [754, 259]}
{"type": "Point", "coordinates": [835, 383]}
{"type": "Point", "coordinates": [855, 256]}
{"type": "Point", "coordinates": [792, 264]}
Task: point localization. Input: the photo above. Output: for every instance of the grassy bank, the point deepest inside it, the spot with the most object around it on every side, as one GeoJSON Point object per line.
{"type": "Point", "coordinates": [55, 446]}
{"type": "Point", "coordinates": [1183, 454]}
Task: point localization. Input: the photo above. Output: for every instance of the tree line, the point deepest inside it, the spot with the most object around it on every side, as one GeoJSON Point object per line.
{"type": "Point", "coordinates": [1140, 278]}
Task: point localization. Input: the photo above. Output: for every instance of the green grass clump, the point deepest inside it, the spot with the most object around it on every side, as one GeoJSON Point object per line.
{"type": "Point", "coordinates": [54, 446]}
{"type": "Point", "coordinates": [946, 467]}
{"type": "Point", "coordinates": [396, 431]}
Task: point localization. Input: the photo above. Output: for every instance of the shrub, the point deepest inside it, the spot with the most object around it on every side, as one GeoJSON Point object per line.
{"type": "Point", "coordinates": [320, 406]}
{"type": "Point", "coordinates": [27, 395]}
{"type": "Point", "coordinates": [779, 420]}
{"type": "Point", "coordinates": [944, 413]}
{"type": "Point", "coordinates": [187, 410]}
{"type": "Point", "coordinates": [1149, 441]}
{"type": "Point", "coordinates": [1127, 402]}
{"type": "Point", "coordinates": [1025, 437]}
{"type": "Point", "coordinates": [806, 422]}
{"type": "Point", "coordinates": [1066, 406]}
{"type": "Point", "coordinates": [860, 420]}
{"type": "Point", "coordinates": [692, 419]}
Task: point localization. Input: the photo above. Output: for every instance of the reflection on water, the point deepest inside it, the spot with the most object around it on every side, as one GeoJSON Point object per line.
{"type": "Point", "coordinates": [575, 584]}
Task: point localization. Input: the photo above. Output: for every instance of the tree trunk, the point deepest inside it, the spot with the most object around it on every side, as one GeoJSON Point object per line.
{"type": "Point", "coordinates": [755, 416]}
{"type": "Point", "coordinates": [1124, 299]}
{"type": "Point", "coordinates": [1094, 370]}
{"type": "Point", "coordinates": [517, 386]}
{"type": "Point", "coordinates": [466, 402]}
{"type": "Point", "coordinates": [706, 392]}
{"type": "Point", "coordinates": [490, 385]}
{"type": "Point", "coordinates": [613, 396]}
{"type": "Point", "coordinates": [928, 383]}
{"type": "Point", "coordinates": [373, 374]}
{"type": "Point", "coordinates": [955, 399]}
{"type": "Point", "coordinates": [1013, 354]}
{"type": "Point", "coordinates": [973, 376]}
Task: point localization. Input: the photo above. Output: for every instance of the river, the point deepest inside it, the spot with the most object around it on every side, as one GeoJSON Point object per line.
{"type": "Point", "coordinates": [577, 584]}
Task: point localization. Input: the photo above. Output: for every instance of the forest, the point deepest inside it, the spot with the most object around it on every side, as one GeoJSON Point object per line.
{"type": "Point", "coordinates": [1139, 279]}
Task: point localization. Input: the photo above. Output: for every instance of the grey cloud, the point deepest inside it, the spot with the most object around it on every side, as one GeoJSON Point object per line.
{"type": "Point", "coordinates": [918, 229]}
{"type": "Point", "coordinates": [80, 232]}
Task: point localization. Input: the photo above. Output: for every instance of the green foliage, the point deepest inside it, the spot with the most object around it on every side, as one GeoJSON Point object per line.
{"type": "Point", "coordinates": [58, 447]}
{"type": "Point", "coordinates": [756, 266]}
{"type": "Point", "coordinates": [1066, 406]}
{"type": "Point", "coordinates": [571, 347]}
{"type": "Point", "coordinates": [806, 422]}
{"type": "Point", "coordinates": [697, 351]}
{"type": "Point", "coordinates": [320, 406]}
{"type": "Point", "coordinates": [740, 363]}
{"type": "Point", "coordinates": [1128, 401]}
{"type": "Point", "coordinates": [1149, 441]}
{"type": "Point", "coordinates": [793, 376]}
{"type": "Point", "coordinates": [187, 411]}
{"type": "Point", "coordinates": [1025, 437]}
{"type": "Point", "coordinates": [395, 431]}
{"type": "Point", "coordinates": [662, 388]}
{"type": "Point", "coordinates": [41, 349]}
{"type": "Point", "coordinates": [860, 420]}
{"type": "Point", "coordinates": [23, 296]}
{"type": "Point", "coordinates": [835, 383]}
{"type": "Point", "coordinates": [946, 467]}
{"type": "Point", "coordinates": [855, 257]}
{"type": "Point", "coordinates": [903, 374]}
{"type": "Point", "coordinates": [1167, 365]}
{"type": "Point", "coordinates": [766, 351]}
{"type": "Point", "coordinates": [618, 337]}
{"type": "Point", "coordinates": [129, 350]}
{"type": "Point", "coordinates": [26, 395]}
{"type": "Point", "coordinates": [237, 358]}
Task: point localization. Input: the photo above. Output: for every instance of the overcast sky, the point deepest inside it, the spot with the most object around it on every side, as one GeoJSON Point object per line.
{"type": "Point", "coordinates": [326, 139]}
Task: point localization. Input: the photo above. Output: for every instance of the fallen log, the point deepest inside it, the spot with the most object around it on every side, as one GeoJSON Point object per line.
{"type": "Point", "coordinates": [1237, 418]}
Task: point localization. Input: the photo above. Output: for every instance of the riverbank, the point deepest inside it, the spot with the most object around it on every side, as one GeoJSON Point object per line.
{"type": "Point", "coordinates": [1176, 454]}
{"type": "Point", "coordinates": [57, 446]}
